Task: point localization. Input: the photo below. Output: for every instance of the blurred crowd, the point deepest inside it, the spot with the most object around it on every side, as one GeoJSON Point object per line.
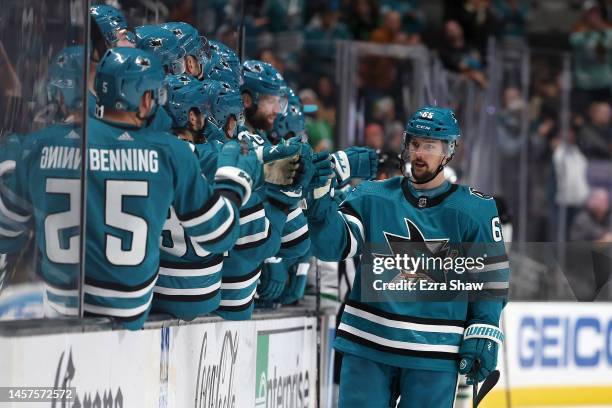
{"type": "Point", "coordinates": [568, 155]}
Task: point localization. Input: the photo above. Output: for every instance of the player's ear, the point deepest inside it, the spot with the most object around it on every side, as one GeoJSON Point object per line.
{"type": "Point", "coordinates": [247, 101]}
{"type": "Point", "coordinates": [146, 103]}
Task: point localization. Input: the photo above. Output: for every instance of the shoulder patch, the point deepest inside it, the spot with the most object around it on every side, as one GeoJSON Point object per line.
{"type": "Point", "coordinates": [478, 194]}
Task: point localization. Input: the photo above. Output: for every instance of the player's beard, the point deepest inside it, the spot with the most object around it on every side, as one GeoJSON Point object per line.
{"type": "Point", "coordinates": [257, 120]}
{"type": "Point", "coordinates": [425, 173]}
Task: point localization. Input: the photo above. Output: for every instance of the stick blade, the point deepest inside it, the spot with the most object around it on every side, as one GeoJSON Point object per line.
{"type": "Point", "coordinates": [487, 386]}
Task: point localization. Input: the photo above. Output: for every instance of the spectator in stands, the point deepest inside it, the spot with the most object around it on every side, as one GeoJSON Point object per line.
{"type": "Point", "coordinates": [394, 135]}
{"type": "Point", "coordinates": [374, 136]}
{"type": "Point", "coordinates": [478, 22]}
{"type": "Point", "coordinates": [380, 72]}
{"type": "Point", "coordinates": [412, 12]}
{"type": "Point", "coordinates": [570, 171]}
{"type": "Point", "coordinates": [591, 42]}
{"type": "Point", "coordinates": [268, 55]}
{"type": "Point", "coordinates": [595, 136]}
{"type": "Point", "coordinates": [323, 30]}
{"type": "Point", "coordinates": [512, 16]}
{"type": "Point", "coordinates": [593, 223]}
{"type": "Point", "coordinates": [327, 100]}
{"type": "Point", "coordinates": [458, 56]}
{"type": "Point", "coordinates": [362, 18]}
{"type": "Point", "coordinates": [319, 130]}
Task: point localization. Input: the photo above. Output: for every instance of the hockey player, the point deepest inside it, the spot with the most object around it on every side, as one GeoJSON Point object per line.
{"type": "Point", "coordinates": [109, 29]}
{"type": "Point", "coordinates": [229, 56]}
{"type": "Point", "coordinates": [196, 47]}
{"type": "Point", "coordinates": [64, 92]}
{"type": "Point", "coordinates": [134, 175]}
{"type": "Point", "coordinates": [164, 45]}
{"type": "Point", "coordinates": [189, 277]}
{"type": "Point", "coordinates": [418, 346]}
{"type": "Point", "coordinates": [226, 107]}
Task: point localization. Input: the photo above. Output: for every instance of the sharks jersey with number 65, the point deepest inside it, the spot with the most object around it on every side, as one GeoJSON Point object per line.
{"type": "Point", "coordinates": [134, 175]}
{"type": "Point", "coordinates": [407, 328]}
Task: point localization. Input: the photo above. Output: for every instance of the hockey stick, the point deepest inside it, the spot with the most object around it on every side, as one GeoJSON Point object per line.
{"type": "Point", "coordinates": [487, 384]}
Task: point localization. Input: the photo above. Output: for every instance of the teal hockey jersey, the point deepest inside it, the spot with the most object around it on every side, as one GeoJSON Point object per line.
{"type": "Point", "coordinates": [134, 176]}
{"type": "Point", "coordinates": [189, 277]}
{"type": "Point", "coordinates": [413, 334]}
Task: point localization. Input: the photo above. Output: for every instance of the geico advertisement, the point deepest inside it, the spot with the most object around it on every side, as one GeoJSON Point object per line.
{"type": "Point", "coordinates": [286, 367]}
{"type": "Point", "coordinates": [559, 344]}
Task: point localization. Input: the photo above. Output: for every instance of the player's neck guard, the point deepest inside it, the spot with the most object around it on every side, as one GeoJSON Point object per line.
{"type": "Point", "coordinates": [424, 201]}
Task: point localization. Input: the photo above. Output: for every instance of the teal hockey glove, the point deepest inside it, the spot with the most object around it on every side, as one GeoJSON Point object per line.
{"type": "Point", "coordinates": [273, 279]}
{"type": "Point", "coordinates": [480, 342]}
{"type": "Point", "coordinates": [324, 170]}
{"type": "Point", "coordinates": [237, 172]}
{"type": "Point", "coordinates": [355, 163]}
{"type": "Point", "coordinates": [294, 291]}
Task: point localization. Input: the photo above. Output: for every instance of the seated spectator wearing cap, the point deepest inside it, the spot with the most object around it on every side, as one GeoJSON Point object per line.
{"type": "Point", "coordinates": [594, 223]}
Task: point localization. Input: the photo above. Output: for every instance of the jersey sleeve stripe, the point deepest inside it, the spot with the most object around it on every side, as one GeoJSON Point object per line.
{"type": "Point", "coordinates": [401, 345]}
{"type": "Point", "coordinates": [357, 223]}
{"type": "Point", "coordinates": [123, 294]}
{"type": "Point", "coordinates": [206, 213]}
{"type": "Point", "coordinates": [399, 324]}
{"type": "Point", "coordinates": [187, 291]}
{"type": "Point", "coordinates": [248, 211]}
{"type": "Point", "coordinates": [253, 240]}
{"type": "Point", "coordinates": [128, 314]}
{"type": "Point", "coordinates": [186, 298]}
{"type": "Point", "coordinates": [293, 214]}
{"type": "Point", "coordinates": [234, 174]}
{"type": "Point", "coordinates": [221, 231]}
{"type": "Point", "coordinates": [296, 241]}
{"type": "Point", "coordinates": [205, 263]}
{"type": "Point", "coordinates": [241, 304]}
{"type": "Point", "coordinates": [240, 285]}
{"type": "Point", "coordinates": [9, 233]}
{"type": "Point", "coordinates": [242, 278]}
{"type": "Point", "coordinates": [118, 287]}
{"type": "Point", "coordinates": [12, 215]}
{"type": "Point", "coordinates": [295, 234]}
{"type": "Point", "coordinates": [405, 318]}
{"type": "Point", "coordinates": [189, 272]}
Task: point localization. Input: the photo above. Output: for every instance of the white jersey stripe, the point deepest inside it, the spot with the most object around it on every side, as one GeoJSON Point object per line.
{"type": "Point", "coordinates": [398, 344]}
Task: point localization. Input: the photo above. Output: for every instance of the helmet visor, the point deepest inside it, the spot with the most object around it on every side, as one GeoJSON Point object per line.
{"type": "Point", "coordinates": [178, 66]}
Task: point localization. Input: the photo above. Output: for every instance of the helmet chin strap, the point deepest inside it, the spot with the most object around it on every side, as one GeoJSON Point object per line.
{"type": "Point", "coordinates": [434, 175]}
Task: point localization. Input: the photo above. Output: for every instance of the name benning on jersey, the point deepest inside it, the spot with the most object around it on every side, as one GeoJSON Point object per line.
{"type": "Point", "coordinates": [66, 157]}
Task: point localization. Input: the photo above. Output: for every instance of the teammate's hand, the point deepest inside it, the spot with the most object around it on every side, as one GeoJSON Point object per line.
{"type": "Point", "coordinates": [483, 348]}
{"type": "Point", "coordinates": [355, 163]}
{"type": "Point", "coordinates": [238, 170]}
{"type": "Point", "coordinates": [272, 281]}
{"type": "Point", "coordinates": [324, 170]}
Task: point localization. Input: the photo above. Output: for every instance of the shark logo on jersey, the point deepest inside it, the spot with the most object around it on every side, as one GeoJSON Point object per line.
{"type": "Point", "coordinates": [415, 245]}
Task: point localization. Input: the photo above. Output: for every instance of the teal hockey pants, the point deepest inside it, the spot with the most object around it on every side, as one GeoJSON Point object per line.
{"type": "Point", "coordinates": [368, 384]}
